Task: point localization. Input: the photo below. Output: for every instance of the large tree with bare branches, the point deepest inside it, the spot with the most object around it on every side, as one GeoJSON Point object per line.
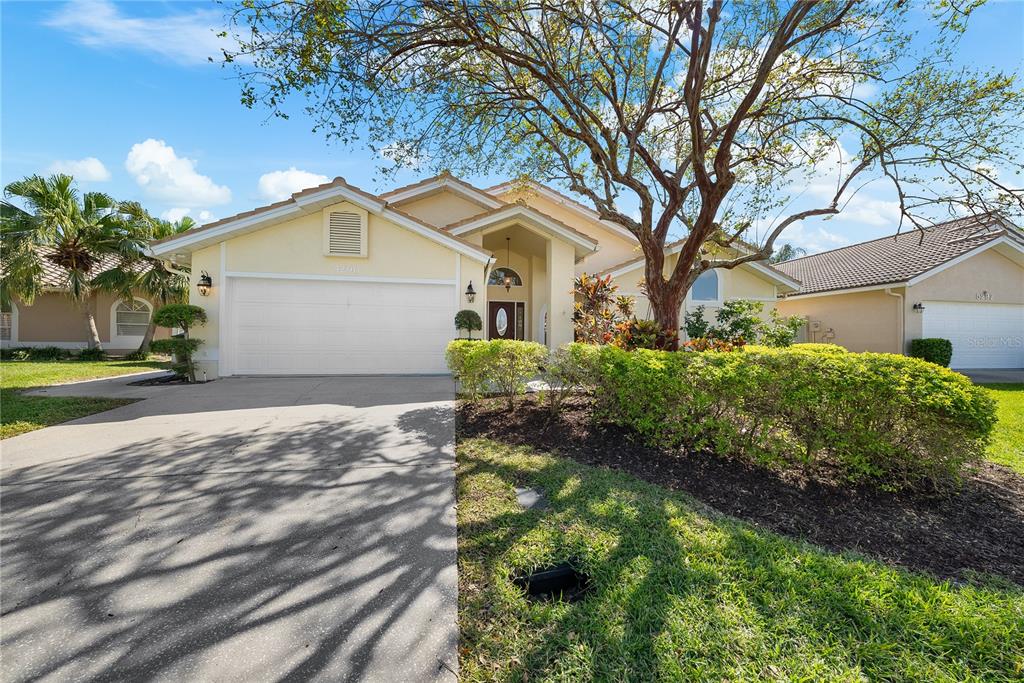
{"type": "Point", "coordinates": [701, 120]}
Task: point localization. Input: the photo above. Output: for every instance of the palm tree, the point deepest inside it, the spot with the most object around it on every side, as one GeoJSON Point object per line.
{"type": "Point", "coordinates": [85, 235]}
{"type": "Point", "coordinates": [787, 252]}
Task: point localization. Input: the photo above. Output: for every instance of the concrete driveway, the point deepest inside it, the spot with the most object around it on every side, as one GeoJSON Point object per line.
{"type": "Point", "coordinates": [247, 529]}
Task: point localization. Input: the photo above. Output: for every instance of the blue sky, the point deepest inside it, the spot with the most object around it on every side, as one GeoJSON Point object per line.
{"type": "Point", "coordinates": [121, 94]}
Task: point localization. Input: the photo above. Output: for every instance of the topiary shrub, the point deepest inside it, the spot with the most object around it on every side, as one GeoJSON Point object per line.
{"type": "Point", "coordinates": [886, 419]}
{"type": "Point", "coordinates": [182, 348]}
{"type": "Point", "coordinates": [933, 350]}
{"type": "Point", "coordinates": [469, 320]}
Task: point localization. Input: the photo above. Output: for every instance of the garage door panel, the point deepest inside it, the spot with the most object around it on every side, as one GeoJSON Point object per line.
{"type": "Point", "coordinates": [983, 335]}
{"type": "Point", "coordinates": [319, 327]}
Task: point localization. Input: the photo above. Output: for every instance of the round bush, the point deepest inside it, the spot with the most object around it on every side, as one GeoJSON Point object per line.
{"type": "Point", "coordinates": [933, 350]}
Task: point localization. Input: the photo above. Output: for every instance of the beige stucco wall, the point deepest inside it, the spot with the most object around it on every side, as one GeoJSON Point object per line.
{"type": "Point", "coordinates": [54, 319]}
{"type": "Point", "coordinates": [441, 208]}
{"type": "Point", "coordinates": [739, 283]}
{"type": "Point", "coordinates": [296, 247]}
{"type": "Point", "coordinates": [989, 276]}
{"type": "Point", "coordinates": [614, 248]}
{"type": "Point", "coordinates": [860, 321]}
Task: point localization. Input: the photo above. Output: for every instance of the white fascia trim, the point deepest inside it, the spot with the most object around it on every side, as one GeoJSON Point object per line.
{"type": "Point", "coordinates": [526, 212]}
{"type": "Point", "coordinates": [774, 275]}
{"type": "Point", "coordinates": [964, 256]}
{"type": "Point", "coordinates": [458, 246]}
{"type": "Point", "coordinates": [848, 290]}
{"type": "Point", "coordinates": [442, 184]}
{"type": "Point", "coordinates": [342, 192]}
{"type": "Point", "coordinates": [341, 278]}
{"type": "Point", "coordinates": [572, 206]}
{"type": "Point", "coordinates": [187, 240]}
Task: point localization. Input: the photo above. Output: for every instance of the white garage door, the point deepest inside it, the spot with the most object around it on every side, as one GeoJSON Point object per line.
{"type": "Point", "coordinates": [315, 327]}
{"type": "Point", "coordinates": [983, 335]}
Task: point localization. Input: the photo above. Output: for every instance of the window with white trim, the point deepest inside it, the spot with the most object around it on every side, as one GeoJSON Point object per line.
{"type": "Point", "coordinates": [345, 233]}
{"type": "Point", "coordinates": [131, 318]}
{"type": "Point", "coordinates": [705, 288]}
{"type": "Point", "coordinates": [497, 277]}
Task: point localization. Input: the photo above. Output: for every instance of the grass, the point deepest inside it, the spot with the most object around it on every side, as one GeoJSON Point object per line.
{"type": "Point", "coordinates": [20, 413]}
{"type": "Point", "coordinates": [682, 593]}
{"type": "Point", "coordinates": [1008, 438]}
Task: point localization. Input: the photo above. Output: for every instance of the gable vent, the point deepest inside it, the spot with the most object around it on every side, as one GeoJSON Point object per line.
{"type": "Point", "coordinates": [345, 234]}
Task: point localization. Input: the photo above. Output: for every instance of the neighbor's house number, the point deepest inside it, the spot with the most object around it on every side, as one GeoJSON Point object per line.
{"type": "Point", "coordinates": [348, 270]}
{"type": "Point", "coordinates": [983, 296]}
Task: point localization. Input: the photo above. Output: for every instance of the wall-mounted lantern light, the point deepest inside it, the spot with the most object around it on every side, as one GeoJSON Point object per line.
{"type": "Point", "coordinates": [919, 306]}
{"type": "Point", "coordinates": [470, 293]}
{"type": "Point", "coordinates": [204, 284]}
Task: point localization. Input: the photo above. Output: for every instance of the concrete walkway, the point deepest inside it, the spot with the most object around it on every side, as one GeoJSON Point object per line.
{"type": "Point", "coordinates": [242, 530]}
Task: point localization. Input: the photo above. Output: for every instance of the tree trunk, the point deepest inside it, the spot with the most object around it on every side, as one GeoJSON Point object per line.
{"type": "Point", "coordinates": [665, 304]}
{"type": "Point", "coordinates": [90, 323]}
{"type": "Point", "coordinates": [147, 338]}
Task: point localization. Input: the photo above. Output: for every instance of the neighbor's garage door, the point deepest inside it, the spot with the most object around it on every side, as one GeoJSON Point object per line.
{"type": "Point", "coordinates": [282, 327]}
{"type": "Point", "coordinates": [983, 335]}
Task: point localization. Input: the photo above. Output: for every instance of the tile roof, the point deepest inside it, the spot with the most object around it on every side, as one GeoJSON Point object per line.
{"type": "Point", "coordinates": [892, 259]}
{"type": "Point", "coordinates": [528, 209]}
{"type": "Point", "coordinates": [55, 276]}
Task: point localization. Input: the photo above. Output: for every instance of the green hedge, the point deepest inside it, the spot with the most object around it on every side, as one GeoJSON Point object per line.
{"type": "Point", "coordinates": [504, 365]}
{"type": "Point", "coordinates": [866, 417]}
{"type": "Point", "coordinates": [933, 350]}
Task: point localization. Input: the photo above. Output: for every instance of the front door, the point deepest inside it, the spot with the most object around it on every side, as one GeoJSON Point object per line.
{"type": "Point", "coordinates": [502, 320]}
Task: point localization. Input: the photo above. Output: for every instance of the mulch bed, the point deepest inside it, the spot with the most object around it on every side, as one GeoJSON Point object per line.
{"type": "Point", "coordinates": [978, 528]}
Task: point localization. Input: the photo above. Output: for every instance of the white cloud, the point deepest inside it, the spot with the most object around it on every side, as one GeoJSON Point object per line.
{"type": "Point", "coordinates": [89, 169]}
{"type": "Point", "coordinates": [278, 185]}
{"type": "Point", "coordinates": [174, 215]}
{"type": "Point", "coordinates": [167, 177]}
{"type": "Point", "coordinates": [185, 37]}
{"type": "Point", "coordinates": [813, 239]}
{"type": "Point", "coordinates": [177, 213]}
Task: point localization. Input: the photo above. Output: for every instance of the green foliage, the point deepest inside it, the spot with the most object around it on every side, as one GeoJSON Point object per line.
{"type": "Point", "coordinates": [819, 348]}
{"type": "Point", "coordinates": [564, 371]}
{"type": "Point", "coordinates": [644, 334]}
{"type": "Point", "coordinates": [933, 350]}
{"type": "Point", "coordinates": [881, 418]}
{"type": "Point", "coordinates": [35, 353]}
{"type": "Point", "coordinates": [139, 355]}
{"type": "Point", "coordinates": [93, 354]}
{"type": "Point", "coordinates": [179, 315]}
{"type": "Point", "coordinates": [599, 311]}
{"type": "Point", "coordinates": [504, 364]}
{"type": "Point", "coordinates": [741, 321]}
{"type": "Point", "coordinates": [469, 320]}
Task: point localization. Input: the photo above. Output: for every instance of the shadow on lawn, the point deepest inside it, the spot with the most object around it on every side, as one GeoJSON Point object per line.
{"type": "Point", "coordinates": [680, 597]}
{"type": "Point", "coordinates": [979, 528]}
{"type": "Point", "coordinates": [291, 552]}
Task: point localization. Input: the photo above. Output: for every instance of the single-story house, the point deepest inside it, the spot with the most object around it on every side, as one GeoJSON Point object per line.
{"type": "Point", "coordinates": [53, 319]}
{"type": "Point", "coordinates": [337, 280]}
{"type": "Point", "coordinates": [962, 280]}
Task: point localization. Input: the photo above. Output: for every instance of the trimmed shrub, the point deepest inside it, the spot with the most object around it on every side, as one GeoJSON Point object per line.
{"type": "Point", "coordinates": [564, 372]}
{"type": "Point", "coordinates": [819, 348]}
{"type": "Point", "coordinates": [469, 320]}
{"type": "Point", "coordinates": [933, 350]}
{"type": "Point", "coordinates": [467, 359]}
{"type": "Point", "coordinates": [181, 348]}
{"type": "Point", "coordinates": [886, 419]}
{"type": "Point", "coordinates": [505, 365]}
{"type": "Point", "coordinates": [91, 354]}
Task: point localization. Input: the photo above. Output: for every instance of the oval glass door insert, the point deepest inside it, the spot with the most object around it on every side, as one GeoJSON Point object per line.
{"type": "Point", "coordinates": [501, 322]}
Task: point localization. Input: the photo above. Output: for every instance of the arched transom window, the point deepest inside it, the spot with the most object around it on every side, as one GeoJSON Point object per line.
{"type": "Point", "coordinates": [498, 277]}
{"type": "Point", "coordinates": [705, 288]}
{"type": "Point", "coordinates": [131, 318]}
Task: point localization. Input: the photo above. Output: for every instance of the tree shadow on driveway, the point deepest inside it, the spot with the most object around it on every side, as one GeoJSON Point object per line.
{"type": "Point", "coordinates": [314, 544]}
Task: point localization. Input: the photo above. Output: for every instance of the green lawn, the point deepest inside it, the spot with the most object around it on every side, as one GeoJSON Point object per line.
{"type": "Point", "coordinates": [19, 414]}
{"type": "Point", "coordinates": [1008, 439]}
{"type": "Point", "coordinates": [682, 593]}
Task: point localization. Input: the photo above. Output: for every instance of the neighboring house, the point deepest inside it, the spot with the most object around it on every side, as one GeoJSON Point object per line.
{"type": "Point", "coordinates": [54, 319]}
{"type": "Point", "coordinates": [962, 280]}
{"type": "Point", "coordinates": [335, 280]}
